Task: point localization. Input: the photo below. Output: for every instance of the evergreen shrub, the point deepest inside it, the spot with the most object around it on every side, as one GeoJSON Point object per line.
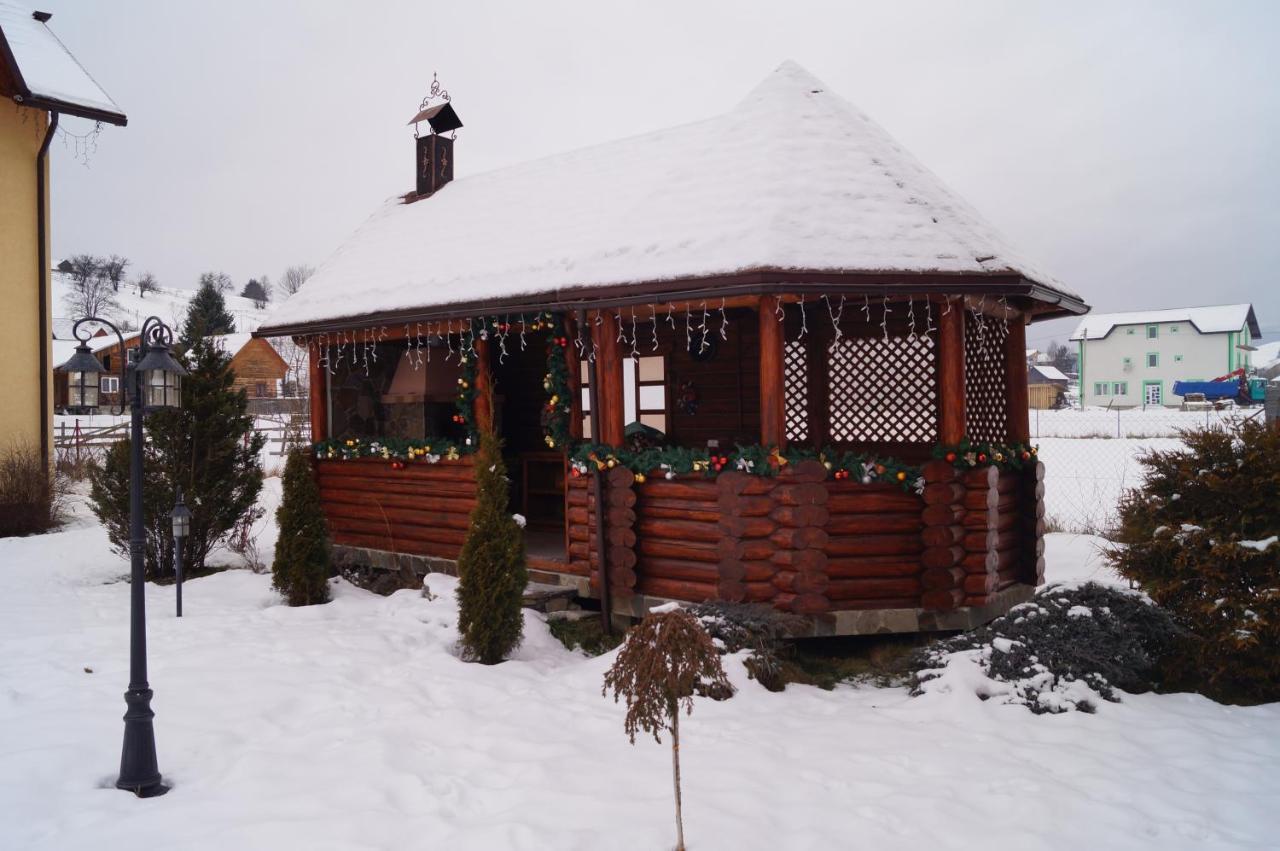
{"type": "Point", "coordinates": [301, 567]}
{"type": "Point", "coordinates": [1202, 537]}
{"type": "Point", "coordinates": [1063, 650]}
{"type": "Point", "coordinates": [208, 447]}
{"type": "Point", "coordinates": [492, 573]}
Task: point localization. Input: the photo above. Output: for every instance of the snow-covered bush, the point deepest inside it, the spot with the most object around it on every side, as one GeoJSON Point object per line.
{"type": "Point", "coordinates": [1068, 648]}
{"type": "Point", "coordinates": [1202, 537]}
{"type": "Point", "coordinates": [754, 627]}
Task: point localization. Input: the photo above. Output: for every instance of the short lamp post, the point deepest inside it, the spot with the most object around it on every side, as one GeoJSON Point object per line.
{"type": "Point", "coordinates": [152, 383]}
{"type": "Point", "coordinates": [181, 516]}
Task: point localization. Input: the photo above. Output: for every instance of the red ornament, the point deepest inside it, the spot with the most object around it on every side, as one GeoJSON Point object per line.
{"type": "Point", "coordinates": [1025, 455]}
{"type": "Point", "coordinates": [951, 457]}
{"type": "Point", "coordinates": [982, 457]}
{"type": "Point", "coordinates": [575, 472]}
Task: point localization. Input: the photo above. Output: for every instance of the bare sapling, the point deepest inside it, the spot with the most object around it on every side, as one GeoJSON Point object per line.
{"type": "Point", "coordinates": [667, 658]}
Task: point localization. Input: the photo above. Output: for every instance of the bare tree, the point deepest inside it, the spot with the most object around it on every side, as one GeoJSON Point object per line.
{"type": "Point", "coordinates": [1061, 356]}
{"type": "Point", "coordinates": [145, 283]}
{"type": "Point", "coordinates": [294, 277]}
{"type": "Point", "coordinates": [91, 293]}
{"type": "Point", "coordinates": [220, 281]}
{"type": "Point", "coordinates": [113, 270]}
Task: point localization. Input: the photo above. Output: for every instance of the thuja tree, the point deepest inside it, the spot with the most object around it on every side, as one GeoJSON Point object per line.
{"type": "Point", "coordinates": [667, 657]}
{"type": "Point", "coordinates": [1202, 537]}
{"type": "Point", "coordinates": [491, 568]}
{"type": "Point", "coordinates": [208, 447]}
{"type": "Point", "coordinates": [301, 567]}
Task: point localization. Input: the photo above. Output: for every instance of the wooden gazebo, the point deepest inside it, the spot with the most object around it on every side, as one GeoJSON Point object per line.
{"type": "Point", "coordinates": [765, 357]}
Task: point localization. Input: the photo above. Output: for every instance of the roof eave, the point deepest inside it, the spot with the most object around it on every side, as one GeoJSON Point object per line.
{"type": "Point", "coordinates": [67, 108]}
{"type": "Point", "coordinates": [756, 282]}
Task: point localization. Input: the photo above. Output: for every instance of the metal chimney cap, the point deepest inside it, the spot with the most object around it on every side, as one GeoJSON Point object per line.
{"type": "Point", "coordinates": [441, 117]}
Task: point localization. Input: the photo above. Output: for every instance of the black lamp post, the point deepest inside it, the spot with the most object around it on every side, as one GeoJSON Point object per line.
{"type": "Point", "coordinates": [154, 382]}
{"type": "Point", "coordinates": [181, 516]}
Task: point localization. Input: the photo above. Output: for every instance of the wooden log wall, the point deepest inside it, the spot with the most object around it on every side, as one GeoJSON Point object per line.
{"type": "Point", "coordinates": [620, 531]}
{"type": "Point", "coordinates": [944, 536]}
{"type": "Point", "coordinates": [1031, 516]}
{"type": "Point", "coordinates": [678, 536]}
{"type": "Point", "coordinates": [874, 546]}
{"type": "Point", "coordinates": [423, 509]}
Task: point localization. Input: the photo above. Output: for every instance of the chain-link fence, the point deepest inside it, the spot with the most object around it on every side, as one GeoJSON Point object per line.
{"type": "Point", "coordinates": [1092, 456]}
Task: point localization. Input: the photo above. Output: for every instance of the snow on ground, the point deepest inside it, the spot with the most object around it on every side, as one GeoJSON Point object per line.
{"type": "Point", "coordinates": [352, 725]}
{"type": "Point", "coordinates": [168, 303]}
{"type": "Point", "coordinates": [1084, 478]}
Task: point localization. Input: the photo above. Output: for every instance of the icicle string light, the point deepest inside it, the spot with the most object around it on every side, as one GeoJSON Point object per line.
{"type": "Point", "coordinates": [724, 322]}
{"type": "Point", "coordinates": [653, 317]}
{"type": "Point", "coordinates": [836, 315]}
{"type": "Point", "coordinates": [884, 317]}
{"type": "Point", "coordinates": [804, 319]}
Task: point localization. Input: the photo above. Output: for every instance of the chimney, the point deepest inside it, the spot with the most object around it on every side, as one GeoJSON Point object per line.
{"type": "Point", "coordinates": [434, 162]}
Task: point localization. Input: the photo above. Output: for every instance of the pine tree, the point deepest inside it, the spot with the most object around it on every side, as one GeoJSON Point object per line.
{"type": "Point", "coordinates": [667, 657]}
{"type": "Point", "coordinates": [208, 447]}
{"type": "Point", "coordinates": [1201, 537]}
{"type": "Point", "coordinates": [301, 567]}
{"type": "Point", "coordinates": [206, 315]}
{"type": "Point", "coordinates": [491, 567]}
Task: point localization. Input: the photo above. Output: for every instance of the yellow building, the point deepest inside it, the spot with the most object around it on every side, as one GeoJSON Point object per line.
{"type": "Point", "coordinates": [42, 81]}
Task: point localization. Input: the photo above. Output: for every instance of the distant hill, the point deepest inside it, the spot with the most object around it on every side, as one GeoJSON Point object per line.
{"type": "Point", "coordinates": [168, 303]}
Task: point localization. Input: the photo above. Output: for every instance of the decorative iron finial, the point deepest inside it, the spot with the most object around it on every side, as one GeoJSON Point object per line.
{"type": "Point", "coordinates": [436, 110]}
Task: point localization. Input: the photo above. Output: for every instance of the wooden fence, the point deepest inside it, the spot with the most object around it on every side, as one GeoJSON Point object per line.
{"type": "Point", "coordinates": [75, 443]}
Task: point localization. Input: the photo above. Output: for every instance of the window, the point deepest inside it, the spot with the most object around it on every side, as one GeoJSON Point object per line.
{"type": "Point", "coordinates": [1100, 388]}
{"type": "Point", "coordinates": [110, 384]}
{"type": "Point", "coordinates": [1120, 388]}
{"type": "Point", "coordinates": [1153, 332]}
{"type": "Point", "coordinates": [644, 387]}
{"type": "Point", "coordinates": [1129, 331]}
{"type": "Point", "coordinates": [1177, 358]}
{"type": "Point", "coordinates": [651, 391]}
{"type": "Point", "coordinates": [1153, 359]}
{"type": "Point", "coordinates": [1173, 329]}
{"type": "Point", "coordinates": [260, 389]}
{"type": "Point", "coordinates": [131, 355]}
{"type": "Point", "coordinates": [106, 362]}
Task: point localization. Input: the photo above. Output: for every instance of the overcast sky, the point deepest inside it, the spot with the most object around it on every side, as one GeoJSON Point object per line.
{"type": "Point", "coordinates": [1131, 148]}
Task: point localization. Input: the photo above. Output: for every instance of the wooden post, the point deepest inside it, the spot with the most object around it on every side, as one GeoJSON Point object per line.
{"type": "Point", "coordinates": [609, 373]}
{"type": "Point", "coordinates": [318, 377]}
{"type": "Point", "coordinates": [772, 394]}
{"type": "Point", "coordinates": [951, 390]}
{"type": "Point", "coordinates": [481, 397]}
{"type": "Point", "coordinates": [574, 362]}
{"type": "Point", "coordinates": [1015, 355]}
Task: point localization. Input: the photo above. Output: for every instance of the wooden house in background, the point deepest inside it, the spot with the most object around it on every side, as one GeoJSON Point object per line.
{"type": "Point", "coordinates": [259, 368]}
{"type": "Point", "coordinates": [763, 357]}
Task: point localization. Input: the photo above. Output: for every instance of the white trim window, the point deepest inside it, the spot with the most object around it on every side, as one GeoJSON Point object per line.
{"type": "Point", "coordinates": [109, 384]}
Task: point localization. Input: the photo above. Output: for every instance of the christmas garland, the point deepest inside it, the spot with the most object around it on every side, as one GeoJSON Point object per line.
{"type": "Point", "coordinates": [466, 401]}
{"type": "Point", "coordinates": [557, 411]}
{"type": "Point", "coordinates": [966, 455]}
{"type": "Point", "coordinates": [755, 460]}
{"type": "Point", "coordinates": [431, 450]}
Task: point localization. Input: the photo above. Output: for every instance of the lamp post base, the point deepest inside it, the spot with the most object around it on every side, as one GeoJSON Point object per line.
{"type": "Point", "coordinates": [139, 770]}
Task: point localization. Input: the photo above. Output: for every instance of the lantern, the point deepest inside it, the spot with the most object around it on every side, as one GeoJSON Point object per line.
{"type": "Point", "coordinates": [82, 378]}
{"type": "Point", "coordinates": [161, 382]}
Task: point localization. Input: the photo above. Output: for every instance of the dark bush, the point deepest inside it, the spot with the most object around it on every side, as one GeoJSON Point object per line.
{"type": "Point", "coordinates": [208, 448]}
{"type": "Point", "coordinates": [30, 494]}
{"type": "Point", "coordinates": [492, 572]}
{"type": "Point", "coordinates": [755, 627]}
{"type": "Point", "coordinates": [1093, 635]}
{"type": "Point", "coordinates": [1200, 536]}
{"type": "Point", "coordinates": [301, 567]}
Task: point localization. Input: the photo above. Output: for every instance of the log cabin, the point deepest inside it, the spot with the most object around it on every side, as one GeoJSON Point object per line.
{"type": "Point", "coordinates": [764, 357]}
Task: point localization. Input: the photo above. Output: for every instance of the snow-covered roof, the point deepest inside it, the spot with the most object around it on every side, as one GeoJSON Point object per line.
{"type": "Point", "coordinates": [1052, 373]}
{"type": "Point", "coordinates": [62, 350]}
{"type": "Point", "coordinates": [45, 72]}
{"type": "Point", "coordinates": [231, 343]}
{"type": "Point", "coordinates": [794, 178]}
{"type": "Point", "coordinates": [1212, 319]}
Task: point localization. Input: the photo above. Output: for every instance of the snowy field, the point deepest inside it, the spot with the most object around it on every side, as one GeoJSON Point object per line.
{"type": "Point", "coordinates": [352, 725]}
{"type": "Point", "coordinates": [1129, 422]}
{"type": "Point", "coordinates": [1084, 478]}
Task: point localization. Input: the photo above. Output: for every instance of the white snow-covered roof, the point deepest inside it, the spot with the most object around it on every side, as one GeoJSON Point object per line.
{"type": "Point", "coordinates": [793, 178]}
{"type": "Point", "coordinates": [1212, 319]}
{"type": "Point", "coordinates": [62, 350]}
{"type": "Point", "coordinates": [45, 72]}
{"type": "Point", "coordinates": [231, 343]}
{"type": "Point", "coordinates": [1052, 373]}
